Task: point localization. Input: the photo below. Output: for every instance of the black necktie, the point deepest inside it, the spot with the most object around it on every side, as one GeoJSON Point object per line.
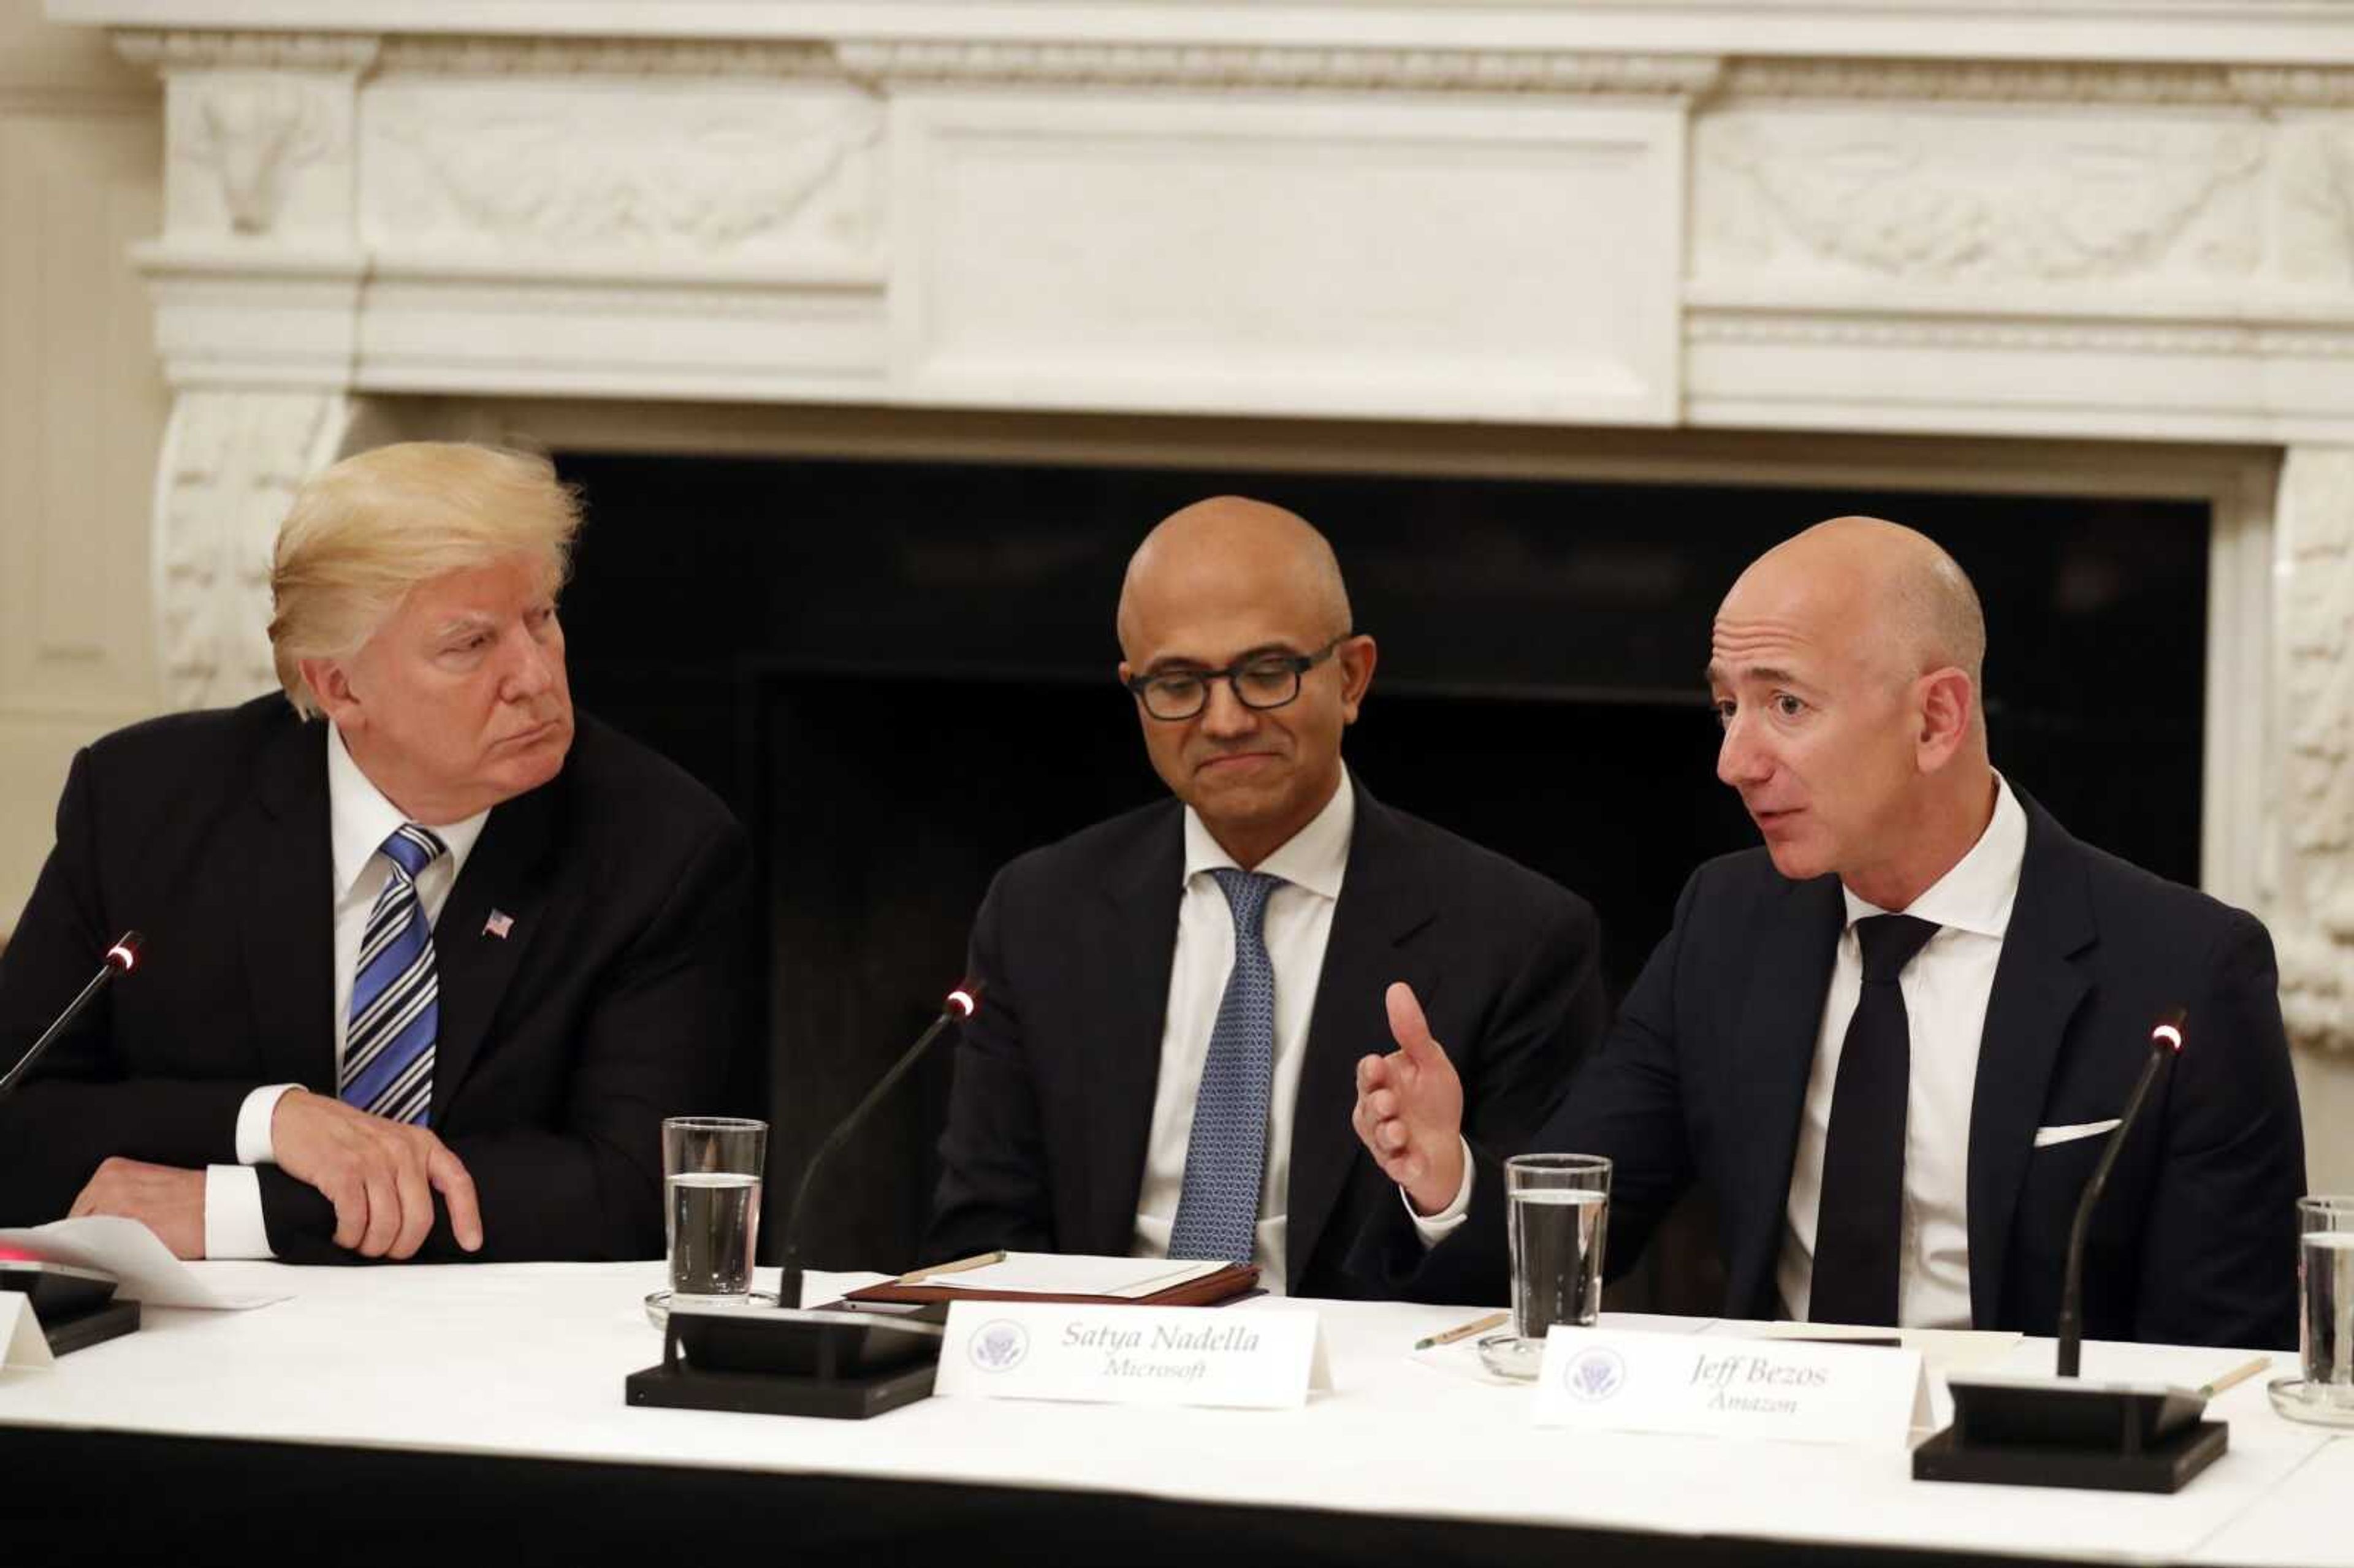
{"type": "Point", "coordinates": [1858, 1223]}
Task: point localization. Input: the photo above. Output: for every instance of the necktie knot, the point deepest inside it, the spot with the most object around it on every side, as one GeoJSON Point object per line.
{"type": "Point", "coordinates": [1890, 941]}
{"type": "Point", "coordinates": [1247, 894]}
{"type": "Point", "coordinates": [412, 849]}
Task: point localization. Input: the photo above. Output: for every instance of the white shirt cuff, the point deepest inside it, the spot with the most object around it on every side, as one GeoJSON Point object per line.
{"type": "Point", "coordinates": [253, 1144]}
{"type": "Point", "coordinates": [233, 1223]}
{"type": "Point", "coordinates": [1434, 1228]}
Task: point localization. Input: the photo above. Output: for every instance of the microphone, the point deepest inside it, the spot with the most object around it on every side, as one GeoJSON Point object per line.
{"type": "Point", "coordinates": [2063, 1431]}
{"type": "Point", "coordinates": [74, 1306]}
{"type": "Point", "coordinates": [120, 960]}
{"type": "Point", "coordinates": [2165, 1043]}
{"type": "Point", "coordinates": [958, 1007]}
{"type": "Point", "coordinates": [791, 1361]}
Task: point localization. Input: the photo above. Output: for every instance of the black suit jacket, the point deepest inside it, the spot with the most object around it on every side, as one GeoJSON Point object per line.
{"type": "Point", "coordinates": [612, 1003]}
{"type": "Point", "coordinates": [1052, 1107]}
{"type": "Point", "coordinates": [1705, 1075]}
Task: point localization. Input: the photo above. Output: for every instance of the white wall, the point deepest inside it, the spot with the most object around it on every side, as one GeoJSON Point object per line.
{"type": "Point", "coordinates": [81, 413]}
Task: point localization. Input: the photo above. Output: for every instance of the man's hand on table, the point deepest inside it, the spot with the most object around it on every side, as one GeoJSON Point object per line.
{"type": "Point", "coordinates": [1409, 1110]}
{"type": "Point", "coordinates": [165, 1199]}
{"type": "Point", "coordinates": [380, 1175]}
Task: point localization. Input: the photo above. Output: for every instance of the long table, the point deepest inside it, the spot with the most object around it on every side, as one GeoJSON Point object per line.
{"type": "Point", "coordinates": [476, 1412]}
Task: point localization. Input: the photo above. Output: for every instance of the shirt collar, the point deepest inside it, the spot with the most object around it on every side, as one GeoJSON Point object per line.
{"type": "Point", "coordinates": [1315, 858]}
{"type": "Point", "coordinates": [359, 819]}
{"type": "Point", "coordinates": [1976, 894]}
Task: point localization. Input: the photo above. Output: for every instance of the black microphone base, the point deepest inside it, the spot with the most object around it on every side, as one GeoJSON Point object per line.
{"type": "Point", "coordinates": [75, 1306]}
{"type": "Point", "coordinates": [827, 1362]}
{"type": "Point", "coordinates": [851, 1398]}
{"type": "Point", "coordinates": [2059, 1432]}
{"type": "Point", "coordinates": [95, 1326]}
{"type": "Point", "coordinates": [2167, 1467]}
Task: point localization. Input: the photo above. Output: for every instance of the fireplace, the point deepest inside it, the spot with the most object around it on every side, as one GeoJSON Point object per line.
{"type": "Point", "coordinates": [2098, 252]}
{"type": "Point", "coordinates": [898, 673]}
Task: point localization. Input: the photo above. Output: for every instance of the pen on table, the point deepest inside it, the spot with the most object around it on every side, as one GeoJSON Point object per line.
{"type": "Point", "coordinates": [979, 1260]}
{"type": "Point", "coordinates": [2236, 1376]}
{"type": "Point", "coordinates": [1464, 1330]}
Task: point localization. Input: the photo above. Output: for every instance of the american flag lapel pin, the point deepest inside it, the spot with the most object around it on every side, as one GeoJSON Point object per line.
{"type": "Point", "coordinates": [498, 925]}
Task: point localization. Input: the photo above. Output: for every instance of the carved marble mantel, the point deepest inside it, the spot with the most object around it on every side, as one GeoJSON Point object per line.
{"type": "Point", "coordinates": [2122, 220]}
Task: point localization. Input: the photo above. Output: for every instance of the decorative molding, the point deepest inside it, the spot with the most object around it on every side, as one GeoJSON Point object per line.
{"type": "Point", "coordinates": [231, 463]}
{"type": "Point", "coordinates": [1983, 82]}
{"type": "Point", "coordinates": [547, 57]}
{"type": "Point", "coordinates": [2316, 204]}
{"type": "Point", "coordinates": [1819, 329]}
{"type": "Point", "coordinates": [2294, 87]}
{"type": "Point", "coordinates": [254, 133]}
{"type": "Point", "coordinates": [1921, 197]}
{"type": "Point", "coordinates": [2313, 924]}
{"type": "Point", "coordinates": [1199, 66]}
{"type": "Point", "coordinates": [249, 52]}
{"type": "Point", "coordinates": [579, 174]}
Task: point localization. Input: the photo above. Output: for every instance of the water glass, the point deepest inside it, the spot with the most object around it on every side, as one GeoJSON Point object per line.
{"type": "Point", "coordinates": [2325, 1275]}
{"type": "Point", "coordinates": [711, 1205]}
{"type": "Point", "coordinates": [1560, 1214]}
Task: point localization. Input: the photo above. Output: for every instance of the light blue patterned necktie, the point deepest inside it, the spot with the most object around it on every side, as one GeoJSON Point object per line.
{"type": "Point", "coordinates": [1217, 1214]}
{"type": "Point", "coordinates": [396, 998]}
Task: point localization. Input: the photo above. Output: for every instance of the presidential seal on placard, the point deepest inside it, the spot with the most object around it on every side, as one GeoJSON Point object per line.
{"type": "Point", "coordinates": [998, 1346]}
{"type": "Point", "coordinates": [1595, 1375]}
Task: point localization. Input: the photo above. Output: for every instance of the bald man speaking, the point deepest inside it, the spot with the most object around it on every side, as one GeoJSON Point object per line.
{"type": "Point", "coordinates": [1162, 1062]}
{"type": "Point", "coordinates": [1891, 1041]}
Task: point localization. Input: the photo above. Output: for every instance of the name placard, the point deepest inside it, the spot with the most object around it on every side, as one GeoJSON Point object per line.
{"type": "Point", "coordinates": [22, 1343]}
{"type": "Point", "coordinates": [1132, 1355]}
{"type": "Point", "coordinates": [1791, 1390]}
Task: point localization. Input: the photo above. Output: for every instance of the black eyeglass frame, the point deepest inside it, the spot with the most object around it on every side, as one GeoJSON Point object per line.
{"type": "Point", "coordinates": [1298, 663]}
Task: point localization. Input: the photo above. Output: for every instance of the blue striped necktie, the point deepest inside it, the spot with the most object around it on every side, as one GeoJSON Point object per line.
{"type": "Point", "coordinates": [1225, 1155]}
{"type": "Point", "coordinates": [395, 999]}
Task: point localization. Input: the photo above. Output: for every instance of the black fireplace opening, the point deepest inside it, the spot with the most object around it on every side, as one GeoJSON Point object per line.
{"type": "Point", "coordinates": [900, 674]}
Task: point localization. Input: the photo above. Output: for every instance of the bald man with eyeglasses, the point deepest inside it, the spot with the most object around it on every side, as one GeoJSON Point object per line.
{"type": "Point", "coordinates": [1163, 1062]}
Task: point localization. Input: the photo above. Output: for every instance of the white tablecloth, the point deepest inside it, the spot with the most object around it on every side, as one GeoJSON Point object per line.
{"type": "Point", "coordinates": [529, 1359]}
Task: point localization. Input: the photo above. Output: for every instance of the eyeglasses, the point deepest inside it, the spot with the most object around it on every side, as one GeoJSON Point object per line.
{"type": "Point", "coordinates": [1263, 682]}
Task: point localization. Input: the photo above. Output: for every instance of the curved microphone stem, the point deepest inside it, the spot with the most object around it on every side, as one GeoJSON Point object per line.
{"type": "Point", "coordinates": [788, 1285]}
{"type": "Point", "coordinates": [120, 960]}
{"type": "Point", "coordinates": [2164, 1041]}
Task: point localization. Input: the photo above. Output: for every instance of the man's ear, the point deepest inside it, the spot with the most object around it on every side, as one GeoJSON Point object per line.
{"type": "Point", "coordinates": [331, 687]}
{"type": "Point", "coordinates": [1948, 707]}
{"type": "Point", "coordinates": [1357, 657]}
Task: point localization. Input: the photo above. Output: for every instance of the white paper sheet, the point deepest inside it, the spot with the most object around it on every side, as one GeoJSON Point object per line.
{"type": "Point", "coordinates": [1065, 1274]}
{"type": "Point", "coordinates": [128, 1250]}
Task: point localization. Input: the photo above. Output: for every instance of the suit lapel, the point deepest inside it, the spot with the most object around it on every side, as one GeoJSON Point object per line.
{"type": "Point", "coordinates": [507, 873]}
{"type": "Point", "coordinates": [289, 912]}
{"type": "Point", "coordinates": [1385, 897]}
{"type": "Point", "coordinates": [1139, 895]}
{"type": "Point", "coordinates": [2037, 989]}
{"type": "Point", "coordinates": [1773, 1052]}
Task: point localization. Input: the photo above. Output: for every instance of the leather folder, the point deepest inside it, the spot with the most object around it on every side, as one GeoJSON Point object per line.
{"type": "Point", "coordinates": [1208, 1290]}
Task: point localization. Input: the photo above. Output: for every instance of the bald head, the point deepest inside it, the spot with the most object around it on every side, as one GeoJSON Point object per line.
{"type": "Point", "coordinates": [1236, 641]}
{"type": "Point", "coordinates": [1230, 547]}
{"type": "Point", "coordinates": [1844, 666]}
{"type": "Point", "coordinates": [1894, 593]}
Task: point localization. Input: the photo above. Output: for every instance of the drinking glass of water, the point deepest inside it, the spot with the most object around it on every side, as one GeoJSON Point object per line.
{"type": "Point", "coordinates": [1559, 1212]}
{"type": "Point", "coordinates": [711, 1206]}
{"type": "Point", "coordinates": [2325, 1272]}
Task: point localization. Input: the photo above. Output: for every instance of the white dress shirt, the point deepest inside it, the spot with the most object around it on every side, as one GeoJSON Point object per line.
{"type": "Point", "coordinates": [359, 819]}
{"type": "Point", "coordinates": [1296, 926]}
{"type": "Point", "coordinates": [1945, 990]}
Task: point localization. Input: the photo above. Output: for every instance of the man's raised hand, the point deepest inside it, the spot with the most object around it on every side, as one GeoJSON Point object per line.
{"type": "Point", "coordinates": [1409, 1110]}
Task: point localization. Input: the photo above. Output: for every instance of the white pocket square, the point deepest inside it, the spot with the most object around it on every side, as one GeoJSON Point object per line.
{"type": "Point", "coordinates": [2046, 1137]}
